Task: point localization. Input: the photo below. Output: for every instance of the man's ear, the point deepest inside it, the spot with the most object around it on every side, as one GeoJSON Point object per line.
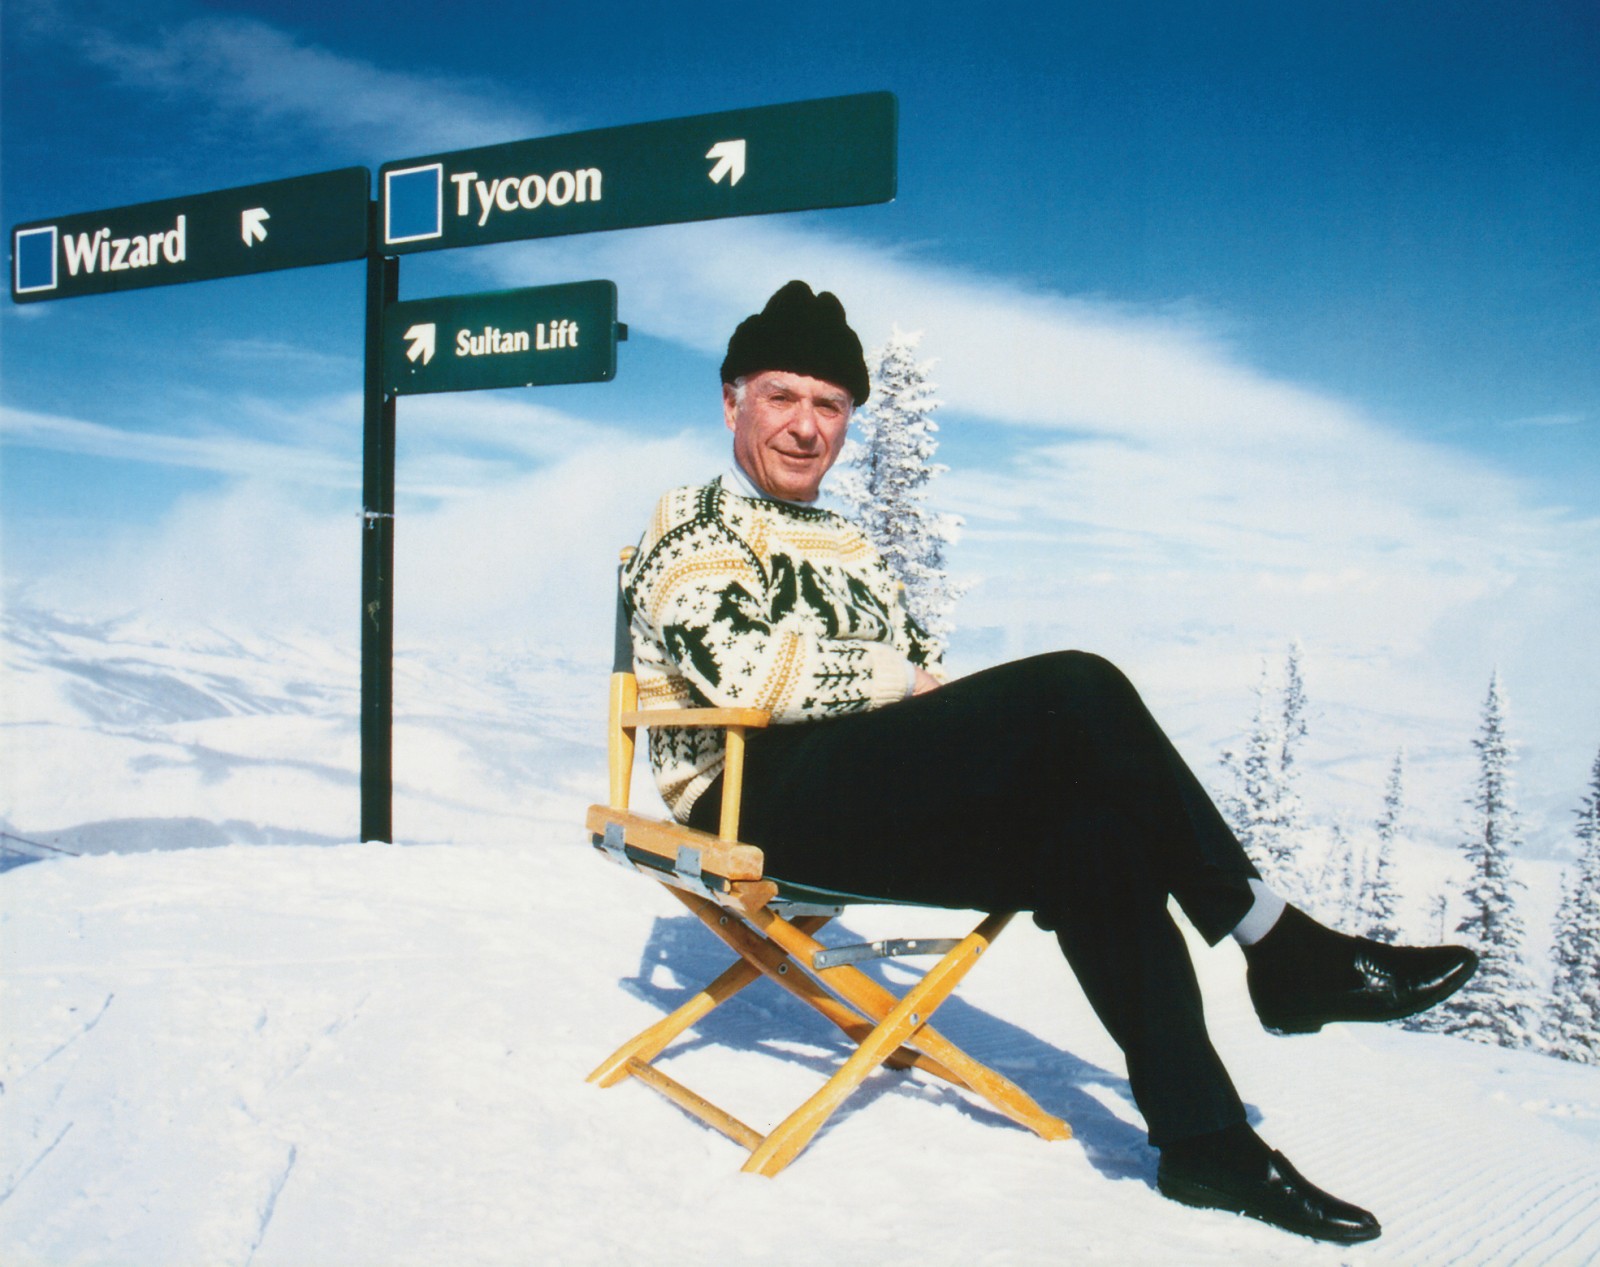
{"type": "Point", "coordinates": [730, 404]}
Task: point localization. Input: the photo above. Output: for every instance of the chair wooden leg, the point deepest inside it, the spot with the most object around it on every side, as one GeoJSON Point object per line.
{"type": "Point", "coordinates": [776, 964]}
{"type": "Point", "coordinates": [874, 1001]}
{"type": "Point", "coordinates": [649, 1043]}
{"type": "Point", "coordinates": [907, 1016]}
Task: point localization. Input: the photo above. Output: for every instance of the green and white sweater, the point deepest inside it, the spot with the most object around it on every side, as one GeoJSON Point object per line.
{"type": "Point", "coordinates": [746, 602]}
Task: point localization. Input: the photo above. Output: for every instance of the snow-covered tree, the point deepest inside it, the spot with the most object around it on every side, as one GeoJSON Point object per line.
{"type": "Point", "coordinates": [1574, 1022]}
{"type": "Point", "coordinates": [1294, 711]}
{"type": "Point", "coordinates": [1263, 806]}
{"type": "Point", "coordinates": [882, 481]}
{"type": "Point", "coordinates": [1250, 804]}
{"type": "Point", "coordinates": [1496, 1006]}
{"type": "Point", "coordinates": [1380, 902]}
{"type": "Point", "coordinates": [1439, 916]}
{"type": "Point", "coordinates": [1342, 881]}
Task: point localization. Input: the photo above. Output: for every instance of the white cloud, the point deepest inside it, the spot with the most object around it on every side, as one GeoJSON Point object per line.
{"type": "Point", "coordinates": [1005, 352]}
{"type": "Point", "coordinates": [454, 445]}
{"type": "Point", "coordinates": [512, 424]}
{"type": "Point", "coordinates": [219, 451]}
{"type": "Point", "coordinates": [259, 553]}
{"type": "Point", "coordinates": [1139, 444]}
{"type": "Point", "coordinates": [519, 555]}
{"type": "Point", "coordinates": [270, 80]}
{"type": "Point", "coordinates": [534, 557]}
{"type": "Point", "coordinates": [291, 357]}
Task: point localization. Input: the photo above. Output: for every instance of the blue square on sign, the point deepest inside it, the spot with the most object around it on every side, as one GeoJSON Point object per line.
{"type": "Point", "coordinates": [413, 200]}
{"type": "Point", "coordinates": [35, 254]}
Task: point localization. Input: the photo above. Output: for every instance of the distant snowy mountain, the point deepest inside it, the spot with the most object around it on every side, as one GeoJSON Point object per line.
{"type": "Point", "coordinates": [125, 736]}
{"type": "Point", "coordinates": [262, 1043]}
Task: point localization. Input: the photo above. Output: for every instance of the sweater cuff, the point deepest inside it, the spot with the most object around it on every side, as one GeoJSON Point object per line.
{"type": "Point", "coordinates": [892, 675]}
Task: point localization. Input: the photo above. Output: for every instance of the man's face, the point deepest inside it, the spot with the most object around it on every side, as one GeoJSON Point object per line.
{"type": "Point", "coordinates": [787, 431]}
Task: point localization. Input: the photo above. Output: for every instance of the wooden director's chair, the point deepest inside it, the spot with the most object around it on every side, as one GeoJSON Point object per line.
{"type": "Point", "coordinates": [770, 924]}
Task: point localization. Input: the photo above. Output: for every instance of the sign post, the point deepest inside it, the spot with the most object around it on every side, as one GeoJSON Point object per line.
{"type": "Point", "coordinates": [377, 561]}
{"type": "Point", "coordinates": [836, 152]}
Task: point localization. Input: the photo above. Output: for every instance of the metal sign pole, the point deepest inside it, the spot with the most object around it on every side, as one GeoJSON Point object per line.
{"type": "Point", "coordinates": [377, 556]}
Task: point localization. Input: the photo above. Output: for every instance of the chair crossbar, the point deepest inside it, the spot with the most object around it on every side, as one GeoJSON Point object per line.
{"type": "Point", "coordinates": [653, 1040]}
{"type": "Point", "coordinates": [823, 996]}
{"type": "Point", "coordinates": [696, 1105]}
{"type": "Point", "coordinates": [890, 948]}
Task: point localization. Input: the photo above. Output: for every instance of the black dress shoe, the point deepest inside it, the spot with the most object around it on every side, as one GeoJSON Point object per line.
{"type": "Point", "coordinates": [1303, 976]}
{"type": "Point", "coordinates": [1271, 1190]}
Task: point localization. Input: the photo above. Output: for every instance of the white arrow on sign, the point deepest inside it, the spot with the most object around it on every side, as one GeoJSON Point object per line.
{"type": "Point", "coordinates": [730, 162]}
{"type": "Point", "coordinates": [422, 339]}
{"type": "Point", "coordinates": [253, 225]}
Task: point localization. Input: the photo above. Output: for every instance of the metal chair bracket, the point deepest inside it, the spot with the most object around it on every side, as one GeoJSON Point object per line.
{"type": "Point", "coordinates": [687, 870]}
{"type": "Point", "coordinates": [893, 948]}
{"type": "Point", "coordinates": [612, 843]}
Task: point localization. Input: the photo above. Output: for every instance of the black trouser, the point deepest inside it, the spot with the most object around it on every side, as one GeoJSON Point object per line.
{"type": "Point", "coordinates": [1042, 785]}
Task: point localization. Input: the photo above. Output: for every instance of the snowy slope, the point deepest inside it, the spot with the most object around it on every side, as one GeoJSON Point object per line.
{"type": "Point", "coordinates": [375, 1054]}
{"type": "Point", "coordinates": [293, 1050]}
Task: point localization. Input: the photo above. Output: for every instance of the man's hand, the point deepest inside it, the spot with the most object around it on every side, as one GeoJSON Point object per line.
{"type": "Point", "coordinates": [925, 682]}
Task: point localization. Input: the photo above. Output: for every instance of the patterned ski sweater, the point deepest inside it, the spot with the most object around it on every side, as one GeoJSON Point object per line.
{"type": "Point", "coordinates": [739, 602]}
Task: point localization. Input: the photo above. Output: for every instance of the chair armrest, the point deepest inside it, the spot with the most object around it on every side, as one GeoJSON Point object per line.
{"type": "Point", "coordinates": [727, 859]}
{"type": "Point", "coordinates": [756, 717]}
{"type": "Point", "coordinates": [727, 872]}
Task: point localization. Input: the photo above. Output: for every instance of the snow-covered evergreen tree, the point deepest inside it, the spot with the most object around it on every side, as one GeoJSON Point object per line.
{"type": "Point", "coordinates": [1574, 1023]}
{"type": "Point", "coordinates": [1294, 711]}
{"type": "Point", "coordinates": [1380, 901]}
{"type": "Point", "coordinates": [1339, 891]}
{"type": "Point", "coordinates": [1293, 733]}
{"type": "Point", "coordinates": [1496, 1006]}
{"type": "Point", "coordinates": [1263, 805]}
{"type": "Point", "coordinates": [882, 481]}
{"type": "Point", "coordinates": [1249, 804]}
{"type": "Point", "coordinates": [1439, 917]}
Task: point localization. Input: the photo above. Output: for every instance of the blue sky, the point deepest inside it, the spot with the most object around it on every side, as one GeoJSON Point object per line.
{"type": "Point", "coordinates": [1252, 321]}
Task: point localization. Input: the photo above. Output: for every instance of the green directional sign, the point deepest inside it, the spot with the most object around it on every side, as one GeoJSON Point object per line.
{"type": "Point", "coordinates": [318, 219]}
{"type": "Point", "coordinates": [532, 337]}
{"type": "Point", "coordinates": [836, 152]}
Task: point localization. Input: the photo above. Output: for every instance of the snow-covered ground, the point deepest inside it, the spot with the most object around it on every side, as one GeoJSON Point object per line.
{"type": "Point", "coordinates": [292, 1049]}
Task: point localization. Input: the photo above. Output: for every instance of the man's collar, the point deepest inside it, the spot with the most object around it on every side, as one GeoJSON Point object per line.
{"type": "Point", "coordinates": [736, 481]}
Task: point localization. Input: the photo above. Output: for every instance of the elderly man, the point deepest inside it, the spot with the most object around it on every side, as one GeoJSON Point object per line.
{"type": "Point", "coordinates": [1042, 785]}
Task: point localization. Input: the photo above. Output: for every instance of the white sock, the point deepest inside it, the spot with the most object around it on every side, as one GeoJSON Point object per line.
{"type": "Point", "coordinates": [1262, 916]}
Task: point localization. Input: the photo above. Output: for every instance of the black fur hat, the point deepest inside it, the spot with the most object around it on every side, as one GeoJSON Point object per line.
{"type": "Point", "coordinates": [801, 332]}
